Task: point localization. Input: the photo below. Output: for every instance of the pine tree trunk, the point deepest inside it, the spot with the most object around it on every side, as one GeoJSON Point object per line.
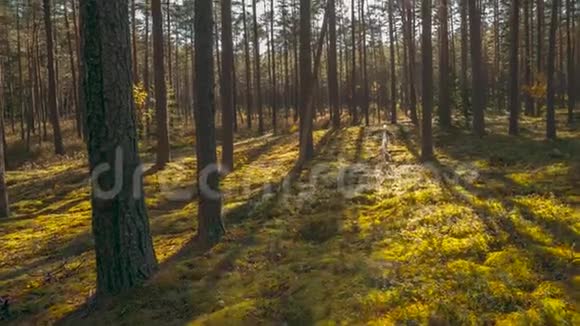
{"type": "Point", "coordinates": [427, 54]}
{"type": "Point", "coordinates": [169, 65]}
{"type": "Point", "coordinates": [146, 86]}
{"type": "Point", "coordinates": [332, 66]}
{"type": "Point", "coordinates": [540, 47]}
{"type": "Point", "coordinates": [354, 97]}
{"type": "Point", "coordinates": [53, 109]}
{"type": "Point", "coordinates": [73, 72]}
{"type": "Point", "coordinates": [364, 66]}
{"type": "Point", "coordinates": [551, 112]}
{"type": "Point", "coordinates": [160, 86]}
{"type": "Point", "coordinates": [134, 43]}
{"type": "Point", "coordinates": [227, 87]}
{"type": "Point", "coordinates": [257, 75]}
{"type": "Point", "coordinates": [411, 58]}
{"type": "Point", "coordinates": [444, 77]}
{"type": "Point", "coordinates": [514, 89]}
{"type": "Point", "coordinates": [478, 88]}
{"type": "Point", "coordinates": [274, 81]}
{"type": "Point", "coordinates": [464, 61]}
{"type": "Point", "coordinates": [306, 141]}
{"type": "Point", "coordinates": [4, 207]}
{"type": "Point", "coordinates": [123, 244]}
{"type": "Point", "coordinates": [393, 71]}
{"type": "Point", "coordinates": [210, 225]}
{"type": "Point", "coordinates": [20, 76]}
{"type": "Point", "coordinates": [80, 69]}
{"type": "Point", "coordinates": [249, 99]}
{"type": "Point", "coordinates": [570, 60]}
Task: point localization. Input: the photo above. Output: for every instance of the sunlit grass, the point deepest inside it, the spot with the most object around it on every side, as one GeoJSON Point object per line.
{"type": "Point", "coordinates": [423, 246]}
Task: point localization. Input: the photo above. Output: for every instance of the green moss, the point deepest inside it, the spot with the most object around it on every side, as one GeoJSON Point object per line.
{"type": "Point", "coordinates": [413, 250]}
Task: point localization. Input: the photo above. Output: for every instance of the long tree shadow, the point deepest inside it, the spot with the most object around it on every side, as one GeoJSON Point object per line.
{"type": "Point", "coordinates": [243, 223]}
{"type": "Point", "coordinates": [552, 266]}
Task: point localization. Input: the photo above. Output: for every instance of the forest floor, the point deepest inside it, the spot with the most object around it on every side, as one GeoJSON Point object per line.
{"type": "Point", "coordinates": [486, 234]}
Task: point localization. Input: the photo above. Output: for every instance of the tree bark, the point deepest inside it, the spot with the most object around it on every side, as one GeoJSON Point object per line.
{"type": "Point", "coordinates": [514, 89]}
{"type": "Point", "coordinates": [257, 76]}
{"type": "Point", "coordinates": [53, 109]}
{"type": "Point", "coordinates": [478, 88]}
{"type": "Point", "coordinates": [227, 87]}
{"type": "Point", "coordinates": [464, 61]}
{"type": "Point", "coordinates": [427, 54]}
{"type": "Point", "coordinates": [163, 155]}
{"type": "Point", "coordinates": [20, 76]}
{"type": "Point", "coordinates": [392, 61]}
{"type": "Point", "coordinates": [364, 66]}
{"type": "Point", "coordinates": [4, 206]}
{"type": "Point", "coordinates": [529, 103]}
{"type": "Point", "coordinates": [306, 141]}
{"type": "Point", "coordinates": [249, 99]}
{"type": "Point", "coordinates": [123, 244]}
{"type": "Point", "coordinates": [540, 46]}
{"type": "Point", "coordinates": [134, 43]}
{"type": "Point", "coordinates": [146, 86]}
{"type": "Point", "coordinates": [169, 65]}
{"type": "Point", "coordinates": [411, 58]}
{"type": "Point", "coordinates": [272, 59]}
{"type": "Point", "coordinates": [444, 77]}
{"type": "Point", "coordinates": [551, 112]}
{"type": "Point", "coordinates": [73, 72]}
{"type": "Point", "coordinates": [332, 65]}
{"type": "Point", "coordinates": [570, 60]}
{"type": "Point", "coordinates": [210, 225]}
{"type": "Point", "coordinates": [354, 97]}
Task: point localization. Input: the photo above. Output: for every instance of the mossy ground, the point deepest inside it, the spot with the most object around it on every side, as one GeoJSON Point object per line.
{"type": "Point", "coordinates": [486, 234]}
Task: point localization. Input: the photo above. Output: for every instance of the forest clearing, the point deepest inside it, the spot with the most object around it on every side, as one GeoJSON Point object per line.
{"type": "Point", "coordinates": [289, 162]}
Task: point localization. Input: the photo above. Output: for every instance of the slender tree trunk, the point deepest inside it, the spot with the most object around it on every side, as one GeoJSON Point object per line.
{"type": "Point", "coordinates": [551, 113]}
{"type": "Point", "coordinates": [210, 225]}
{"type": "Point", "coordinates": [134, 43]}
{"type": "Point", "coordinates": [286, 62]}
{"type": "Point", "coordinates": [21, 97]}
{"type": "Point", "coordinates": [146, 86]}
{"type": "Point", "coordinates": [227, 87]}
{"type": "Point", "coordinates": [332, 66]}
{"type": "Point", "coordinates": [306, 141]}
{"type": "Point", "coordinates": [427, 54]}
{"type": "Point", "coordinates": [540, 47]}
{"type": "Point", "coordinates": [80, 93]}
{"type": "Point", "coordinates": [249, 99]}
{"type": "Point", "coordinates": [169, 65]}
{"type": "Point", "coordinates": [296, 64]}
{"type": "Point", "coordinates": [73, 73]}
{"type": "Point", "coordinates": [274, 81]}
{"type": "Point", "coordinates": [160, 87]}
{"type": "Point", "coordinates": [529, 103]}
{"type": "Point", "coordinates": [464, 61]}
{"type": "Point", "coordinates": [477, 69]}
{"type": "Point", "coordinates": [411, 58]}
{"type": "Point", "coordinates": [364, 66]}
{"type": "Point", "coordinates": [33, 98]}
{"type": "Point", "coordinates": [444, 77]}
{"type": "Point", "coordinates": [54, 117]}
{"type": "Point", "coordinates": [4, 206]}
{"type": "Point", "coordinates": [257, 76]}
{"type": "Point", "coordinates": [514, 89]}
{"type": "Point", "coordinates": [123, 244]}
{"type": "Point", "coordinates": [393, 71]}
{"type": "Point", "coordinates": [354, 97]}
{"type": "Point", "coordinates": [570, 57]}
